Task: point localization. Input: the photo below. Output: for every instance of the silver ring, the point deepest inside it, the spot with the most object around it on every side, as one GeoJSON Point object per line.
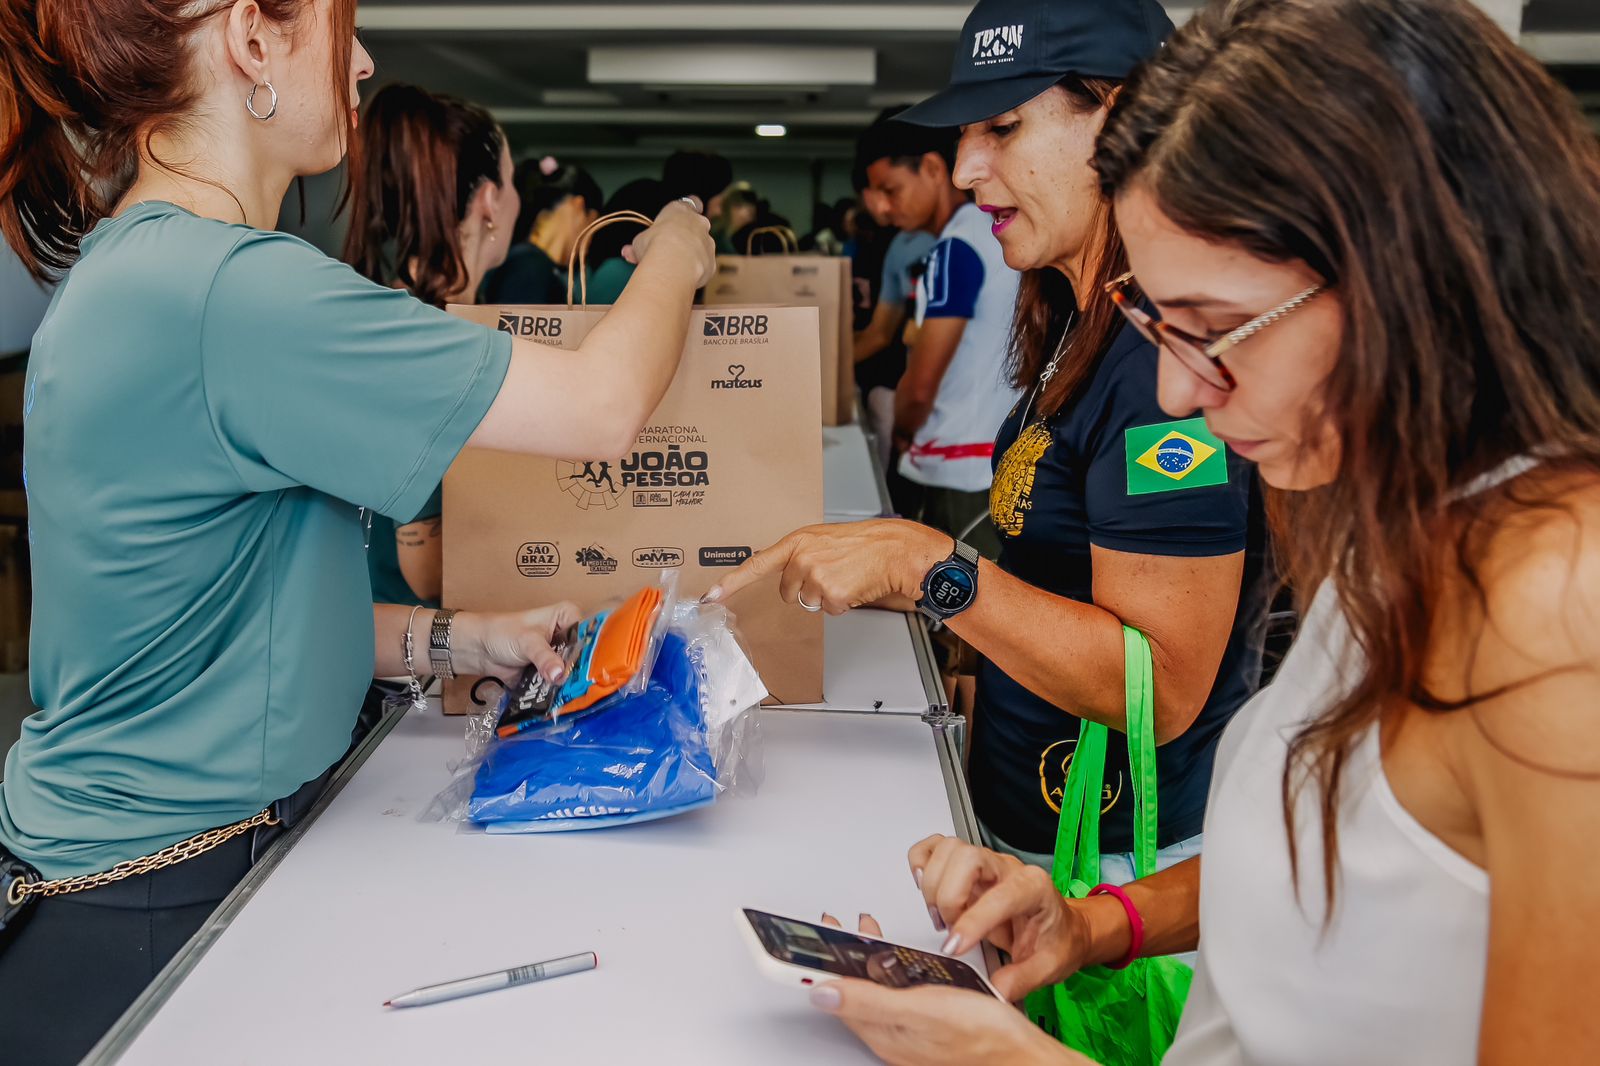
{"type": "Point", "coordinates": [802, 598]}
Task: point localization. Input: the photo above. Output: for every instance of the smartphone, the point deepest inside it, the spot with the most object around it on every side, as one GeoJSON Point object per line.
{"type": "Point", "coordinates": [791, 951]}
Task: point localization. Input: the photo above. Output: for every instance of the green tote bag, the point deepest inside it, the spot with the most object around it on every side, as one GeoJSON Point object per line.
{"type": "Point", "coordinates": [1116, 1017]}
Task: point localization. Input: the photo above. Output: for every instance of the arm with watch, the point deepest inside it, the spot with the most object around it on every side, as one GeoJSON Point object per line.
{"type": "Point", "coordinates": [445, 643]}
{"type": "Point", "coordinates": [1068, 652]}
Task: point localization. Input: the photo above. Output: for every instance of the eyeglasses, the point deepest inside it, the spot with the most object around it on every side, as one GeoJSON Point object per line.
{"type": "Point", "coordinates": [1201, 355]}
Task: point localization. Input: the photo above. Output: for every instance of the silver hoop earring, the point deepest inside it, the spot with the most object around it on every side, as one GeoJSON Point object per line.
{"type": "Point", "coordinates": [250, 102]}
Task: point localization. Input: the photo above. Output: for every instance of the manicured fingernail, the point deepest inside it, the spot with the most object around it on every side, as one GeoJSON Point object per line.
{"type": "Point", "coordinates": [826, 917]}
{"type": "Point", "coordinates": [557, 673]}
{"type": "Point", "coordinates": [953, 946]}
{"type": "Point", "coordinates": [713, 596]}
{"type": "Point", "coordinates": [862, 919]}
{"type": "Point", "coordinates": [938, 919]}
{"type": "Point", "coordinates": [825, 998]}
{"type": "Point", "coordinates": [916, 875]}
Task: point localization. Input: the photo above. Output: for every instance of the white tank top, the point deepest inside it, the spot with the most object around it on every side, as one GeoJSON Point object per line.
{"type": "Point", "coordinates": [1399, 975]}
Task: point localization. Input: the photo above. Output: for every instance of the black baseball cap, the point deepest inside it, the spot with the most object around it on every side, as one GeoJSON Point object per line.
{"type": "Point", "coordinates": [1012, 50]}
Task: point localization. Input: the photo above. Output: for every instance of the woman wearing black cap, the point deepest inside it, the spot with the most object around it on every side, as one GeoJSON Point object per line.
{"type": "Point", "coordinates": [1386, 290]}
{"type": "Point", "coordinates": [1100, 526]}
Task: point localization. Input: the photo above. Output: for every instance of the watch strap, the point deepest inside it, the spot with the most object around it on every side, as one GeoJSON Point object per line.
{"type": "Point", "coordinates": [439, 657]}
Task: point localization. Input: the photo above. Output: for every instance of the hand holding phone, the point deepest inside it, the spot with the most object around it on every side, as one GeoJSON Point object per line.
{"type": "Point", "coordinates": [805, 953]}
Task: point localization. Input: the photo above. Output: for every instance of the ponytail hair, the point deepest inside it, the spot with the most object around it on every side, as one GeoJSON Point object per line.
{"type": "Point", "coordinates": [423, 158]}
{"type": "Point", "coordinates": [85, 86]}
{"type": "Point", "coordinates": [544, 185]}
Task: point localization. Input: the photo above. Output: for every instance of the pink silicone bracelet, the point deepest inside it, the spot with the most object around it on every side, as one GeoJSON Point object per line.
{"type": "Point", "coordinates": [1134, 920]}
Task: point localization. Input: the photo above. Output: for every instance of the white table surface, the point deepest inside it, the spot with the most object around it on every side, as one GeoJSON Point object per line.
{"type": "Point", "coordinates": [371, 902]}
{"type": "Point", "coordinates": [849, 476]}
{"type": "Point", "coordinates": [870, 664]}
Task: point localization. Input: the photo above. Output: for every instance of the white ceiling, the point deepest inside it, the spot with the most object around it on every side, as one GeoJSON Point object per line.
{"type": "Point", "coordinates": [529, 62]}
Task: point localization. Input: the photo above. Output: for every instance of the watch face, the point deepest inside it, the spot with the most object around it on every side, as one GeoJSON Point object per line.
{"type": "Point", "coordinates": [950, 589]}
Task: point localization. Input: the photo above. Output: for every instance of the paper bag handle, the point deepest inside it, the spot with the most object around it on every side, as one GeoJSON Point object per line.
{"type": "Point", "coordinates": [580, 248]}
{"type": "Point", "coordinates": [786, 238]}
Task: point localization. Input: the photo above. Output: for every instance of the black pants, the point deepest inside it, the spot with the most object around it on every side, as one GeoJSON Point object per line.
{"type": "Point", "coordinates": [70, 965]}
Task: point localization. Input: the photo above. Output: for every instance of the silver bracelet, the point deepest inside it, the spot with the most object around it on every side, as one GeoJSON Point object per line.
{"type": "Point", "coordinates": [439, 654]}
{"type": "Point", "coordinates": [418, 700]}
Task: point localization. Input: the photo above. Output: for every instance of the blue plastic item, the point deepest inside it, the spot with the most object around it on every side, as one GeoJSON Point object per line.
{"type": "Point", "coordinates": [645, 758]}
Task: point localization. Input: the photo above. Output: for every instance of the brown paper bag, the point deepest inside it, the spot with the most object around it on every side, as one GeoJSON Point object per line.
{"type": "Point", "coordinates": [729, 462]}
{"type": "Point", "coordinates": [816, 281]}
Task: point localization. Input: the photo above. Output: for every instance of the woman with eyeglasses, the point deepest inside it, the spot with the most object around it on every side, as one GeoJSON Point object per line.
{"type": "Point", "coordinates": [1368, 237]}
{"type": "Point", "coordinates": [1109, 511]}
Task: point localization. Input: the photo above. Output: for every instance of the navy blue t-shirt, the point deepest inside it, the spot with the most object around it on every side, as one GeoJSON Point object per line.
{"type": "Point", "coordinates": [1098, 472]}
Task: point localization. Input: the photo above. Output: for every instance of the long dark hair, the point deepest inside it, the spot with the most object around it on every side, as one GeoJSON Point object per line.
{"type": "Point", "coordinates": [544, 185]}
{"type": "Point", "coordinates": [84, 87]}
{"type": "Point", "coordinates": [1046, 300]}
{"type": "Point", "coordinates": [423, 157]}
{"type": "Point", "coordinates": [1449, 191]}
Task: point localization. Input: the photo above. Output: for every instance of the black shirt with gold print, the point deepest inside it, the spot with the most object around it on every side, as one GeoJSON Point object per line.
{"type": "Point", "coordinates": [1111, 469]}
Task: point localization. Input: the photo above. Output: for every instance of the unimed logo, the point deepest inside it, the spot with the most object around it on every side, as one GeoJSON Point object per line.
{"type": "Point", "coordinates": [736, 326]}
{"type": "Point", "coordinates": [731, 556]}
{"type": "Point", "coordinates": [998, 45]}
{"type": "Point", "coordinates": [736, 379]}
{"type": "Point", "coordinates": [544, 327]}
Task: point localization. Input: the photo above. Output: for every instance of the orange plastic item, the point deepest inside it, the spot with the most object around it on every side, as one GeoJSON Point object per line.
{"type": "Point", "coordinates": [619, 648]}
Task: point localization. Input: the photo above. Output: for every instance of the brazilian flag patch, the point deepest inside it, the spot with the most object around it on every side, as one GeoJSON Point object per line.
{"type": "Point", "coordinates": [1173, 456]}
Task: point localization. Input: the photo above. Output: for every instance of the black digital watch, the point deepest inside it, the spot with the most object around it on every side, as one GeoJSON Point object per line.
{"type": "Point", "coordinates": [951, 586]}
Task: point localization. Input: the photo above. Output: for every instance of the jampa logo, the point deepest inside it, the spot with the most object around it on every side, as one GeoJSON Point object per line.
{"type": "Point", "coordinates": [658, 558]}
{"type": "Point", "coordinates": [736, 379]}
{"type": "Point", "coordinates": [538, 327]}
{"type": "Point", "coordinates": [596, 560]}
{"type": "Point", "coordinates": [999, 45]}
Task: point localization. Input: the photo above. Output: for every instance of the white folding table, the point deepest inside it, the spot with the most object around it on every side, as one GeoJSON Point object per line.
{"type": "Point", "coordinates": [365, 901]}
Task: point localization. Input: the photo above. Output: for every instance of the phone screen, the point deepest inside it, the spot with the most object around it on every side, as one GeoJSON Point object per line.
{"type": "Point", "coordinates": [844, 954]}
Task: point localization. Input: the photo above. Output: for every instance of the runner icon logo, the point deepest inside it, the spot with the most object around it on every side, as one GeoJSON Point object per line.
{"type": "Point", "coordinates": [591, 483]}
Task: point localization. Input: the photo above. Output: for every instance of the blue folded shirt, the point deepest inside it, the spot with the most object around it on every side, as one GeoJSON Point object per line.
{"type": "Point", "coordinates": [645, 758]}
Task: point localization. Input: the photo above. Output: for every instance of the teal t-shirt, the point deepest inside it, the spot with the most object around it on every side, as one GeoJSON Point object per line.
{"type": "Point", "coordinates": [389, 583]}
{"type": "Point", "coordinates": [206, 407]}
{"type": "Point", "coordinates": [609, 280]}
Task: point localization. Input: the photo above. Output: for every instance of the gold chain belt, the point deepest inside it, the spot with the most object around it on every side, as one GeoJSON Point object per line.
{"type": "Point", "coordinates": [171, 855]}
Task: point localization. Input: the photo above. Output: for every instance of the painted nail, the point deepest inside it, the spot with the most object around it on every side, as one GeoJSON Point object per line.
{"type": "Point", "coordinates": [825, 998]}
{"type": "Point", "coordinates": [713, 596]}
{"type": "Point", "coordinates": [862, 919]}
{"type": "Point", "coordinates": [828, 918]}
{"type": "Point", "coordinates": [916, 875]}
{"type": "Point", "coordinates": [953, 946]}
{"type": "Point", "coordinates": [938, 919]}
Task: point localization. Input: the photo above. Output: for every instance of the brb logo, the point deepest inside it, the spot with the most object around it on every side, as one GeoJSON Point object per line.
{"type": "Point", "coordinates": [736, 379]}
{"type": "Point", "coordinates": [999, 45]}
{"type": "Point", "coordinates": [536, 327]}
{"type": "Point", "coordinates": [728, 328]}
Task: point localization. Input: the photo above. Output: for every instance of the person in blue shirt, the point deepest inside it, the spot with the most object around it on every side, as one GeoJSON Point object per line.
{"type": "Point", "coordinates": [210, 408]}
{"type": "Point", "coordinates": [558, 201]}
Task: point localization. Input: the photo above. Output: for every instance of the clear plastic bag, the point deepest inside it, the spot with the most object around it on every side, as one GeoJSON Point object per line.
{"type": "Point", "coordinates": [686, 733]}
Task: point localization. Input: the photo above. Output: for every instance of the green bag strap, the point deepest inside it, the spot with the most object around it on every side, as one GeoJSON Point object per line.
{"type": "Point", "coordinates": [1140, 684]}
{"type": "Point", "coordinates": [1076, 865]}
